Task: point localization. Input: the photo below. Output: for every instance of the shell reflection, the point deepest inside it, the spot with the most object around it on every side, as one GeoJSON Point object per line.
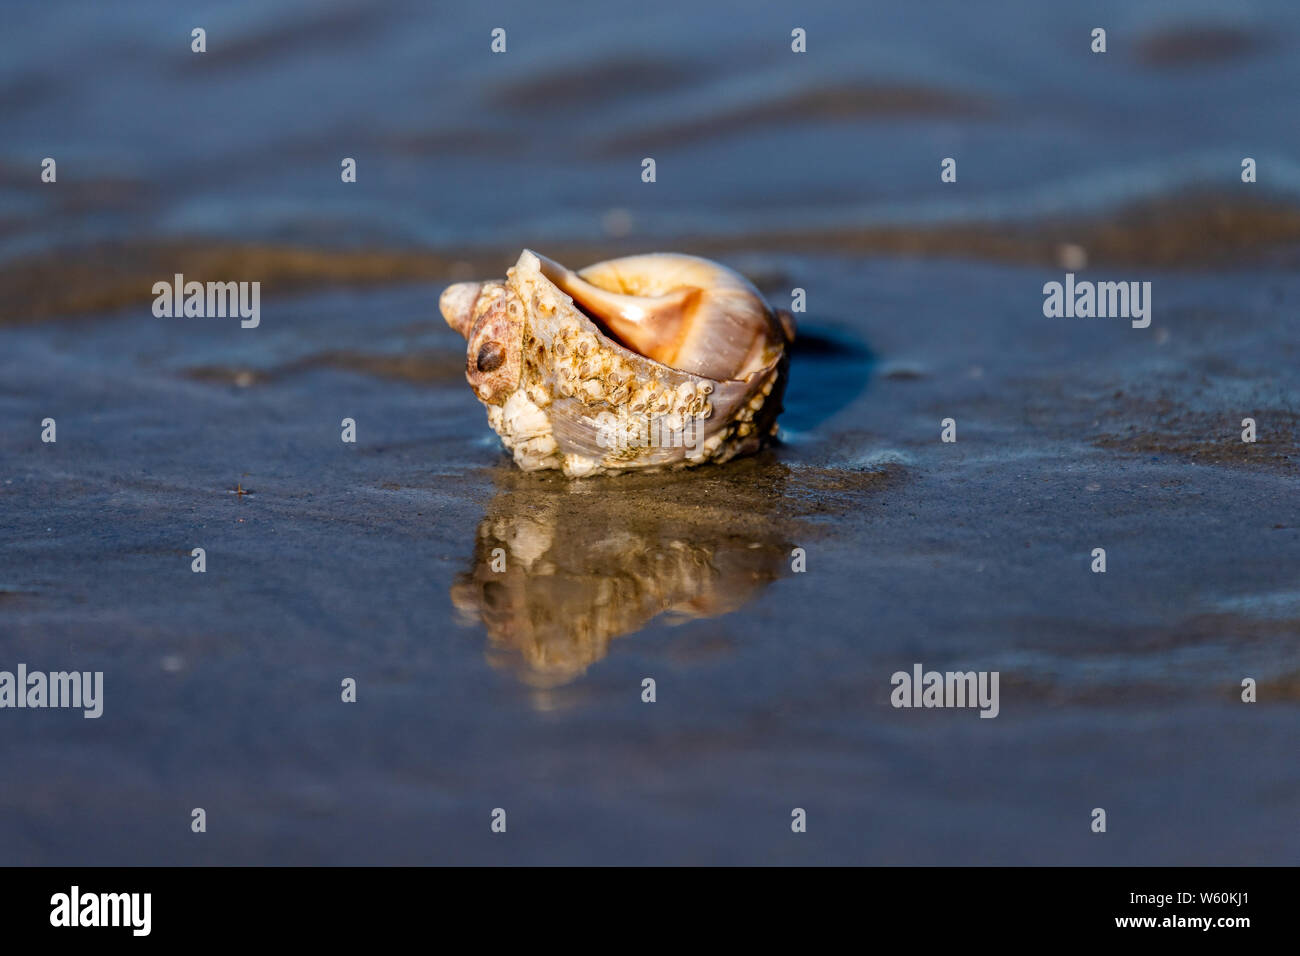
{"type": "Point", "coordinates": [578, 569]}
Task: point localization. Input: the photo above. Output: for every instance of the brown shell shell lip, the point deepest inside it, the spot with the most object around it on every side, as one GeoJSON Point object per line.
{"type": "Point", "coordinates": [629, 352]}
{"type": "Point", "coordinates": [682, 311]}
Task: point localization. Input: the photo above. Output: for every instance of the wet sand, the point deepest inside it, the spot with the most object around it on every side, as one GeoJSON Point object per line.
{"type": "Point", "coordinates": [327, 560]}
{"type": "Point", "coordinates": [1186, 232]}
{"type": "Point", "coordinates": [368, 561]}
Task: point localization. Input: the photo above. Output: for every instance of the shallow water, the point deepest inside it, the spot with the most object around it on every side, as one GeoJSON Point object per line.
{"type": "Point", "coordinates": [327, 560]}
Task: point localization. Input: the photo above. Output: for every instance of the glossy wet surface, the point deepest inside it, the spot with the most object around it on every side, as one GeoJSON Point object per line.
{"type": "Point", "coordinates": [523, 689]}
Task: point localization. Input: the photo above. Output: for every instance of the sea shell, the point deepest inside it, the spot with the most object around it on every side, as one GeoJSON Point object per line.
{"type": "Point", "coordinates": [653, 361]}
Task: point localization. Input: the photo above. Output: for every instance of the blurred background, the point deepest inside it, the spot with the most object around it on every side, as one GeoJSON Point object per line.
{"type": "Point", "coordinates": [462, 150]}
{"type": "Point", "coordinates": [817, 171]}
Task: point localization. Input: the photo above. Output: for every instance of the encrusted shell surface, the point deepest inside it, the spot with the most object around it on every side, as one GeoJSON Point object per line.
{"type": "Point", "coordinates": [563, 394]}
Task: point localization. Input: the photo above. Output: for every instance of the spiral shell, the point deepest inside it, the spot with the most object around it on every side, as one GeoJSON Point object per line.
{"type": "Point", "coordinates": [654, 361]}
